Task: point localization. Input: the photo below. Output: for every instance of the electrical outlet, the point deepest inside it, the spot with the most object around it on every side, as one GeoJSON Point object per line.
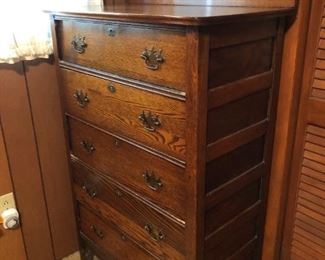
{"type": "Point", "coordinates": [7, 201]}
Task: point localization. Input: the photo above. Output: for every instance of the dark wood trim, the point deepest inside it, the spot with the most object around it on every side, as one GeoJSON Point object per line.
{"type": "Point", "coordinates": [235, 140]}
{"type": "Point", "coordinates": [174, 19]}
{"type": "Point", "coordinates": [22, 151]}
{"type": "Point", "coordinates": [269, 138]}
{"type": "Point", "coordinates": [196, 136]}
{"type": "Point", "coordinates": [168, 92]}
{"type": "Point", "coordinates": [230, 92]}
{"type": "Point", "coordinates": [235, 185]}
{"type": "Point", "coordinates": [235, 223]}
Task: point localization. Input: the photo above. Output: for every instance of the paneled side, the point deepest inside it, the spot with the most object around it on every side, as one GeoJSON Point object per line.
{"type": "Point", "coordinates": [241, 86]}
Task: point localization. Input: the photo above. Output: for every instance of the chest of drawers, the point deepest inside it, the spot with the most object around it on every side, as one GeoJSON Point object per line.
{"type": "Point", "coordinates": [170, 117]}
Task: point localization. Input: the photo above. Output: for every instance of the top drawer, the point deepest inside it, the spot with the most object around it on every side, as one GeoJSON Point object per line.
{"type": "Point", "coordinates": [151, 54]}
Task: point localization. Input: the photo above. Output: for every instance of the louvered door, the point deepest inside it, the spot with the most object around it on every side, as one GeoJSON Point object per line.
{"type": "Point", "coordinates": [304, 236]}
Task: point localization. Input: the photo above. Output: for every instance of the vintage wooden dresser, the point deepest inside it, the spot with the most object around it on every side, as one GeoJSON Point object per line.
{"type": "Point", "coordinates": [170, 113]}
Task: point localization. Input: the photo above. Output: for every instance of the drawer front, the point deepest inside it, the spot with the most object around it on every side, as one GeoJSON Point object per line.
{"type": "Point", "coordinates": [160, 181]}
{"type": "Point", "coordinates": [152, 229]}
{"type": "Point", "coordinates": [146, 53]}
{"type": "Point", "coordinates": [116, 244]}
{"type": "Point", "coordinates": [154, 120]}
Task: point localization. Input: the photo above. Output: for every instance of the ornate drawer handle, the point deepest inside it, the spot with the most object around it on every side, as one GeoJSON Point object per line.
{"type": "Point", "coordinates": [153, 182]}
{"type": "Point", "coordinates": [150, 122]}
{"type": "Point", "coordinates": [79, 44]}
{"type": "Point", "coordinates": [92, 192]}
{"type": "Point", "coordinates": [154, 232]}
{"type": "Point", "coordinates": [153, 58]}
{"type": "Point", "coordinates": [87, 146]}
{"type": "Point", "coordinates": [97, 231]}
{"type": "Point", "coordinates": [81, 98]}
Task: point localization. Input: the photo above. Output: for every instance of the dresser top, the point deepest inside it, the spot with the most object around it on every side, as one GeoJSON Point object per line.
{"type": "Point", "coordinates": [170, 14]}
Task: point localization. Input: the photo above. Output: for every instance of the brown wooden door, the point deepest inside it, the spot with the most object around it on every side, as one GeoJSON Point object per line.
{"type": "Point", "coordinates": [304, 229]}
{"type": "Point", "coordinates": [11, 241]}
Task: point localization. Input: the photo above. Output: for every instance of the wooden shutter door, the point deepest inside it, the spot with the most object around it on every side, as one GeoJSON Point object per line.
{"type": "Point", "coordinates": [304, 230]}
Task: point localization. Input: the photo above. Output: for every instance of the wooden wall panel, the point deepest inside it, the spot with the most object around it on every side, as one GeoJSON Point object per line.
{"type": "Point", "coordinates": [33, 131]}
{"type": "Point", "coordinates": [253, 3]}
{"type": "Point", "coordinates": [18, 131]}
{"type": "Point", "coordinates": [11, 241]}
{"type": "Point", "coordinates": [49, 130]}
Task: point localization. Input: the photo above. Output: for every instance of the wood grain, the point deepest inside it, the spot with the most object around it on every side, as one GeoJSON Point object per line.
{"type": "Point", "coordinates": [119, 112]}
{"type": "Point", "coordinates": [121, 54]}
{"type": "Point", "coordinates": [114, 241]}
{"type": "Point", "coordinates": [163, 249]}
{"type": "Point", "coordinates": [137, 210]}
{"type": "Point", "coordinates": [117, 161]}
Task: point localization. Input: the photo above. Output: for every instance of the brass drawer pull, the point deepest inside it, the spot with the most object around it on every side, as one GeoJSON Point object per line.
{"type": "Point", "coordinates": [153, 182]}
{"type": "Point", "coordinates": [81, 98]}
{"type": "Point", "coordinates": [150, 122]}
{"type": "Point", "coordinates": [87, 146]}
{"type": "Point", "coordinates": [79, 44]}
{"type": "Point", "coordinates": [154, 232]}
{"type": "Point", "coordinates": [91, 192]}
{"type": "Point", "coordinates": [97, 231]}
{"type": "Point", "coordinates": [153, 58]}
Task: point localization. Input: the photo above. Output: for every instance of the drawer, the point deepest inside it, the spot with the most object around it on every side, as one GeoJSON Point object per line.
{"type": "Point", "coordinates": [160, 181]}
{"type": "Point", "coordinates": [147, 53]}
{"type": "Point", "coordinates": [151, 119]}
{"type": "Point", "coordinates": [115, 244]}
{"type": "Point", "coordinates": [152, 229]}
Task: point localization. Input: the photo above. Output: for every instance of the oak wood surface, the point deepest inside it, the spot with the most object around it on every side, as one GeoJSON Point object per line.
{"type": "Point", "coordinates": [168, 14]}
{"type": "Point", "coordinates": [235, 133]}
{"type": "Point", "coordinates": [121, 53]}
{"type": "Point", "coordinates": [115, 157]}
{"type": "Point", "coordinates": [163, 249]}
{"type": "Point", "coordinates": [119, 111]}
{"type": "Point", "coordinates": [114, 242]}
{"type": "Point", "coordinates": [138, 211]}
{"type": "Point", "coordinates": [196, 124]}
